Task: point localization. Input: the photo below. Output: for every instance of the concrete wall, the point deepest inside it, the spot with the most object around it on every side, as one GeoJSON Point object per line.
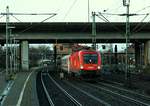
{"type": "Point", "coordinates": [137, 53]}
{"type": "Point", "coordinates": [25, 55]}
{"type": "Point", "coordinates": [147, 53]}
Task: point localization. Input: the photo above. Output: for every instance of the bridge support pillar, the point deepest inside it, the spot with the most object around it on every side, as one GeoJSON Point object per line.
{"type": "Point", "coordinates": [24, 56]}
{"type": "Point", "coordinates": [137, 53]}
{"type": "Point", "coordinates": [147, 53]}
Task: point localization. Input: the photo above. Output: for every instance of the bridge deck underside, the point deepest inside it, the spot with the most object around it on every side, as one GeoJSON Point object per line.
{"type": "Point", "coordinates": [78, 37]}
{"type": "Point", "coordinates": [78, 32]}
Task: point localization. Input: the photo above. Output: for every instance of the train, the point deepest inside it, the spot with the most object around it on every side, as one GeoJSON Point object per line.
{"type": "Point", "coordinates": [85, 63]}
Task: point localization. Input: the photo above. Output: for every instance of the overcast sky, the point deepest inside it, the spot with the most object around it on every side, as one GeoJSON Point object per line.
{"type": "Point", "coordinates": [73, 10]}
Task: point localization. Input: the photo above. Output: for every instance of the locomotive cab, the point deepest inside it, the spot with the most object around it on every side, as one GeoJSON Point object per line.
{"type": "Point", "coordinates": [90, 63]}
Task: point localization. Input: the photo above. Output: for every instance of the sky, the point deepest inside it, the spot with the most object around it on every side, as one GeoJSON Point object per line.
{"type": "Point", "coordinates": [74, 10]}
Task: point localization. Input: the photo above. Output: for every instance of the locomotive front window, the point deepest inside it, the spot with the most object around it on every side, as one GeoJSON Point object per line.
{"type": "Point", "coordinates": [90, 58]}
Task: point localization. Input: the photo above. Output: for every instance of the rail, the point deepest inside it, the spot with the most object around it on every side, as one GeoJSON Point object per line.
{"type": "Point", "coordinates": [120, 95]}
{"type": "Point", "coordinates": [88, 94]}
{"type": "Point", "coordinates": [47, 94]}
{"type": "Point", "coordinates": [65, 92]}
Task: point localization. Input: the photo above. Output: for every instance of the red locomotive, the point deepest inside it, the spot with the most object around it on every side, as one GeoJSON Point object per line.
{"type": "Point", "coordinates": [83, 63]}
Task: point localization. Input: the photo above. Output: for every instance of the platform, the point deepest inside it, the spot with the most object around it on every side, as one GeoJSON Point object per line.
{"type": "Point", "coordinates": [23, 90]}
{"type": "Point", "coordinates": [3, 82]}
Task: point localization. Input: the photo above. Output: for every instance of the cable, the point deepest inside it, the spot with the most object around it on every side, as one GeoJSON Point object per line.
{"type": "Point", "coordinates": [1, 16]}
{"type": "Point", "coordinates": [114, 9]}
{"type": "Point", "coordinates": [31, 26]}
{"type": "Point", "coordinates": [70, 9]}
{"type": "Point", "coordinates": [142, 26]}
{"type": "Point", "coordinates": [142, 9]}
{"type": "Point", "coordinates": [47, 18]}
{"type": "Point", "coordinates": [60, 5]}
{"type": "Point", "coordinates": [106, 20]}
{"type": "Point", "coordinates": [101, 18]}
{"type": "Point", "coordinates": [121, 14]}
{"type": "Point", "coordinates": [29, 13]}
{"type": "Point", "coordinates": [139, 23]}
{"type": "Point", "coordinates": [16, 18]}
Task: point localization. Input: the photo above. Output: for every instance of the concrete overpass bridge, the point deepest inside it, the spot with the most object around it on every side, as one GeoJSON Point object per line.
{"type": "Point", "coordinates": [72, 32]}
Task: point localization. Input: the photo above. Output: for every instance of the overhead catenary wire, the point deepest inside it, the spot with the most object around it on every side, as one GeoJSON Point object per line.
{"type": "Point", "coordinates": [16, 18]}
{"type": "Point", "coordinates": [59, 7]}
{"type": "Point", "coordinates": [131, 14]}
{"type": "Point", "coordinates": [142, 9]}
{"type": "Point", "coordinates": [106, 20]}
{"type": "Point", "coordinates": [67, 11]}
{"type": "Point", "coordinates": [70, 9]}
{"type": "Point", "coordinates": [101, 18]}
{"type": "Point", "coordinates": [1, 16]}
{"type": "Point", "coordinates": [13, 15]}
{"type": "Point", "coordinates": [135, 28]}
{"type": "Point", "coordinates": [31, 26]}
{"type": "Point", "coordinates": [142, 26]}
{"type": "Point", "coordinates": [115, 9]}
{"type": "Point", "coordinates": [27, 13]}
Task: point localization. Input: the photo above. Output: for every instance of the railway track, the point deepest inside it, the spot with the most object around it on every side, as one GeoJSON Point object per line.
{"type": "Point", "coordinates": [144, 99]}
{"type": "Point", "coordinates": [134, 99]}
{"type": "Point", "coordinates": [43, 97]}
{"type": "Point", "coordinates": [101, 102]}
{"type": "Point", "coordinates": [46, 92]}
{"type": "Point", "coordinates": [108, 99]}
{"type": "Point", "coordinates": [113, 97]}
{"type": "Point", "coordinates": [55, 94]}
{"type": "Point", "coordinates": [84, 97]}
{"type": "Point", "coordinates": [78, 93]}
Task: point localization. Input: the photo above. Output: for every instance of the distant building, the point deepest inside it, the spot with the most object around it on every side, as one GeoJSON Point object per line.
{"type": "Point", "coordinates": [63, 49]}
{"type": "Point", "coordinates": [68, 48]}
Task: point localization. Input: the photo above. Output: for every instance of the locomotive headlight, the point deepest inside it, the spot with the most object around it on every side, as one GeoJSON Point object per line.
{"type": "Point", "coordinates": [99, 67]}
{"type": "Point", "coordinates": [81, 67]}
